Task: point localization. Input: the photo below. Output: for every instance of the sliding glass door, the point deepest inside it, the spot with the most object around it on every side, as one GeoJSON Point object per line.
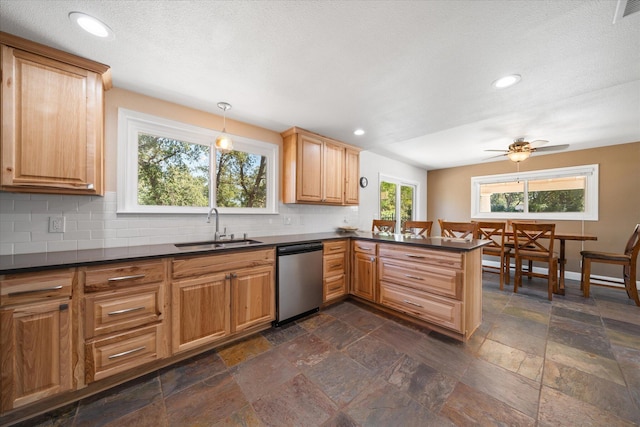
{"type": "Point", "coordinates": [397, 201]}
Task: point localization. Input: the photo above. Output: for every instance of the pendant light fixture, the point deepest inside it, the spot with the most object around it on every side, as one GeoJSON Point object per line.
{"type": "Point", "coordinates": [223, 141]}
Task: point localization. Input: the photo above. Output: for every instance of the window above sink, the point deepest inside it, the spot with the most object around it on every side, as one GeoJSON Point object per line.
{"type": "Point", "coordinates": [166, 166]}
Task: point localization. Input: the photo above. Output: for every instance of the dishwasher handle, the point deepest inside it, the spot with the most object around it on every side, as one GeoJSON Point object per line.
{"type": "Point", "coordinates": [299, 248]}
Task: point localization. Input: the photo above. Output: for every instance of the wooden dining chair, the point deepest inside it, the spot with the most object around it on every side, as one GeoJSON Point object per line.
{"type": "Point", "coordinates": [458, 230]}
{"type": "Point", "coordinates": [627, 260]}
{"type": "Point", "coordinates": [377, 223]}
{"type": "Point", "coordinates": [534, 242]}
{"type": "Point", "coordinates": [494, 232]}
{"type": "Point", "coordinates": [509, 242]}
{"type": "Point", "coordinates": [421, 228]}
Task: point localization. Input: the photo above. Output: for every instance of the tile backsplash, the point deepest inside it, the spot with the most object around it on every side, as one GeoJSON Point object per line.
{"type": "Point", "coordinates": [92, 222]}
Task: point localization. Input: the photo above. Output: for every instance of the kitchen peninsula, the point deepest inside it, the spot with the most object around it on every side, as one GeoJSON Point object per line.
{"type": "Point", "coordinates": [119, 313]}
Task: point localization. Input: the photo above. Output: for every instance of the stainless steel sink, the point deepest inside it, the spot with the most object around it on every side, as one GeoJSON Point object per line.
{"type": "Point", "coordinates": [217, 244]}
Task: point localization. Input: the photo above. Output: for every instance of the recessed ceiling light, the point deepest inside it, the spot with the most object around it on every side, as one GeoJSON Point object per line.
{"type": "Point", "coordinates": [507, 81]}
{"type": "Point", "coordinates": [358, 132]}
{"type": "Point", "coordinates": [91, 25]}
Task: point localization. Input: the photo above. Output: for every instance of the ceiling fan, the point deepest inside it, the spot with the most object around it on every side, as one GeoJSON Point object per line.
{"type": "Point", "coordinates": [521, 150]}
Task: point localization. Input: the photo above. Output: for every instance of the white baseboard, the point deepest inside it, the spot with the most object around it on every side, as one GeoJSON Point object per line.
{"type": "Point", "coordinates": [572, 275]}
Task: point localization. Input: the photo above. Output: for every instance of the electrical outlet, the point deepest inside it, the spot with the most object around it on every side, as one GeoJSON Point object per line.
{"type": "Point", "coordinates": [56, 224]}
{"type": "Point", "coordinates": [286, 220]}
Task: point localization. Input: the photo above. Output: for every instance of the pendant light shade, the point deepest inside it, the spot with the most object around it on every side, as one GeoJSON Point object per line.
{"type": "Point", "coordinates": [223, 141]}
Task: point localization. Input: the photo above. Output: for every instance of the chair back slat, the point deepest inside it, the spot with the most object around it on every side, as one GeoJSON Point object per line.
{"type": "Point", "coordinates": [534, 237]}
{"type": "Point", "coordinates": [377, 223]}
{"type": "Point", "coordinates": [458, 230]}
{"type": "Point", "coordinates": [423, 227]}
{"type": "Point", "coordinates": [493, 231]}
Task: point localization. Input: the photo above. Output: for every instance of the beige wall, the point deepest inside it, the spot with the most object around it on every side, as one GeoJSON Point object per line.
{"type": "Point", "coordinates": [120, 98]}
{"type": "Point", "coordinates": [449, 196]}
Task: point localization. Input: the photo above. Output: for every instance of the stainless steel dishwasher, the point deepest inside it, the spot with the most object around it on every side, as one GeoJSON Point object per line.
{"type": "Point", "coordinates": [299, 290]}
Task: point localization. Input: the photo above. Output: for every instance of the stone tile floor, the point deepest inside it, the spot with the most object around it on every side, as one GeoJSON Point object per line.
{"type": "Point", "coordinates": [573, 362]}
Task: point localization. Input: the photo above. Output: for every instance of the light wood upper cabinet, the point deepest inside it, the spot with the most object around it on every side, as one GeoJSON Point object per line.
{"type": "Point", "coordinates": [318, 170]}
{"type": "Point", "coordinates": [352, 177]}
{"type": "Point", "coordinates": [52, 120]}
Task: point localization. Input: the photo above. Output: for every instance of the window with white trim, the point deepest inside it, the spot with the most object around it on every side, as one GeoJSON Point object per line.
{"type": "Point", "coordinates": [553, 194]}
{"type": "Point", "coordinates": [166, 166]}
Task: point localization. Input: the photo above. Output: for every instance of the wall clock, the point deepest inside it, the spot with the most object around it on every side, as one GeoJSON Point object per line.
{"type": "Point", "coordinates": [364, 181]}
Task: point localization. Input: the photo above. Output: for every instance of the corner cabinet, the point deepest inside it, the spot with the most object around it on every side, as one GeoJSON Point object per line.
{"type": "Point", "coordinates": [319, 170]}
{"type": "Point", "coordinates": [52, 120]}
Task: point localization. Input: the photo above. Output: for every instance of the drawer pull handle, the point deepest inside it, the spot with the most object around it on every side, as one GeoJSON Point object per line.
{"type": "Point", "coordinates": [124, 353]}
{"type": "Point", "coordinates": [363, 248]}
{"type": "Point", "coordinates": [33, 291]}
{"type": "Point", "coordinates": [414, 256]}
{"type": "Point", "coordinates": [337, 248]}
{"type": "Point", "coordinates": [124, 310]}
{"type": "Point", "coordinates": [335, 265]}
{"type": "Point", "coordinates": [118, 279]}
{"type": "Point", "coordinates": [412, 303]}
{"type": "Point", "coordinates": [413, 277]}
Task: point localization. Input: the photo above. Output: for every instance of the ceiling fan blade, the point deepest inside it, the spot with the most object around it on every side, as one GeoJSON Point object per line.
{"type": "Point", "coordinates": [494, 157]}
{"type": "Point", "coordinates": [538, 143]}
{"type": "Point", "coordinates": [553, 148]}
{"type": "Point", "coordinates": [499, 151]}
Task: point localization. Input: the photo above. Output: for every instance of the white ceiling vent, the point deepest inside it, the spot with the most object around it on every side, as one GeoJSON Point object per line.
{"type": "Point", "coordinates": [626, 8]}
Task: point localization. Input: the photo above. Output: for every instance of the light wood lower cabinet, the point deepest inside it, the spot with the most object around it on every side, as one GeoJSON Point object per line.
{"type": "Point", "coordinates": [364, 280]}
{"type": "Point", "coordinates": [200, 309]}
{"type": "Point", "coordinates": [253, 297]}
{"type": "Point", "coordinates": [36, 352]}
{"type": "Point", "coordinates": [436, 286]}
{"type": "Point", "coordinates": [214, 296]}
{"type": "Point", "coordinates": [335, 268]}
{"type": "Point", "coordinates": [124, 307]}
{"type": "Point", "coordinates": [35, 337]}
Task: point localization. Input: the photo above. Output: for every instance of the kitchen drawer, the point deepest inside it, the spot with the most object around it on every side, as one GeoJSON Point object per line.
{"type": "Point", "coordinates": [35, 287]}
{"type": "Point", "coordinates": [423, 277]}
{"type": "Point", "coordinates": [122, 310]}
{"type": "Point", "coordinates": [190, 267]}
{"type": "Point", "coordinates": [122, 275]}
{"type": "Point", "coordinates": [118, 353]}
{"type": "Point", "coordinates": [428, 256]}
{"type": "Point", "coordinates": [334, 246]}
{"type": "Point", "coordinates": [363, 246]}
{"type": "Point", "coordinates": [435, 309]}
{"type": "Point", "coordinates": [334, 287]}
{"type": "Point", "coordinates": [333, 264]}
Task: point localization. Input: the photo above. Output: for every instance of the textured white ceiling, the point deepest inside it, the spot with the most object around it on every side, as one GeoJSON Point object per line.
{"type": "Point", "coordinates": [416, 75]}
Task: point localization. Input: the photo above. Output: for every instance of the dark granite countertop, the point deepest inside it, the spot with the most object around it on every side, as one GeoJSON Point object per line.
{"type": "Point", "coordinates": [49, 260]}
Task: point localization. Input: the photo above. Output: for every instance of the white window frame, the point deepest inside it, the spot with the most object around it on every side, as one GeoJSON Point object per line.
{"type": "Point", "coordinates": [131, 123]}
{"type": "Point", "coordinates": [591, 193]}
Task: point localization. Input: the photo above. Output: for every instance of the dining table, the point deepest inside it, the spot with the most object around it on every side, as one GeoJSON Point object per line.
{"type": "Point", "coordinates": [562, 260]}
